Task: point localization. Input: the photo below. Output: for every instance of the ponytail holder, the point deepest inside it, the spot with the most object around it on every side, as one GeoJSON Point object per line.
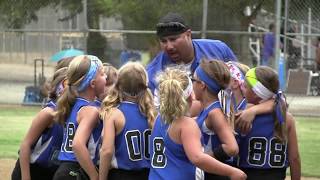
{"type": "Point", "coordinates": [59, 88]}
{"type": "Point", "coordinates": [187, 92]}
{"type": "Point", "coordinates": [279, 99]}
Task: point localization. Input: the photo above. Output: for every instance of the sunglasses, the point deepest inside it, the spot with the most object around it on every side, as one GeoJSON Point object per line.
{"type": "Point", "coordinates": [194, 80]}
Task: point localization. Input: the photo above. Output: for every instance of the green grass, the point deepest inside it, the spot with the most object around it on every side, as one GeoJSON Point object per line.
{"type": "Point", "coordinates": [309, 145]}
{"type": "Point", "coordinates": [15, 121]}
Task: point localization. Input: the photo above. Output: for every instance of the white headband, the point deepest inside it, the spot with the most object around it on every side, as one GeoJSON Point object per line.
{"type": "Point", "coordinates": [262, 91]}
{"type": "Point", "coordinates": [187, 92]}
{"type": "Point", "coordinates": [235, 72]}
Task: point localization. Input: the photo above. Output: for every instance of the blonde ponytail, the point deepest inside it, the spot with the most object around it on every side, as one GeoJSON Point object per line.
{"type": "Point", "coordinates": [111, 101]}
{"type": "Point", "coordinates": [146, 106]}
{"type": "Point", "coordinates": [64, 104]}
{"type": "Point", "coordinates": [132, 81]}
{"type": "Point", "coordinates": [173, 103]}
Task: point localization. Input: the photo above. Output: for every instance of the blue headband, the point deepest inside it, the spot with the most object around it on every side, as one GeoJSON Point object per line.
{"type": "Point", "coordinates": [94, 66]}
{"type": "Point", "coordinates": [213, 86]}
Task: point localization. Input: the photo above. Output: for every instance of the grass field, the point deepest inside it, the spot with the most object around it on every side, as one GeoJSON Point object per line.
{"type": "Point", "coordinates": [15, 121]}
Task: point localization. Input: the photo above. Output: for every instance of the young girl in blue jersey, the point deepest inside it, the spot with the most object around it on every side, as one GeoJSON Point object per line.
{"type": "Point", "coordinates": [80, 117]}
{"type": "Point", "coordinates": [271, 145]}
{"type": "Point", "coordinates": [175, 144]}
{"type": "Point", "coordinates": [232, 101]}
{"type": "Point", "coordinates": [128, 114]}
{"type": "Point", "coordinates": [209, 78]}
{"type": "Point", "coordinates": [40, 147]}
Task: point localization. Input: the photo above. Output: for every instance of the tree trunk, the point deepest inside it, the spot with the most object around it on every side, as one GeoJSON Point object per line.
{"type": "Point", "coordinates": [96, 42]}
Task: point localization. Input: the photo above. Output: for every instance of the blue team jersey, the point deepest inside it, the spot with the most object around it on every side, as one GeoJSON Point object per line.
{"type": "Point", "coordinates": [51, 104]}
{"type": "Point", "coordinates": [44, 152]}
{"type": "Point", "coordinates": [132, 144]}
{"type": "Point", "coordinates": [97, 103]}
{"type": "Point", "coordinates": [203, 48]}
{"type": "Point", "coordinates": [207, 137]}
{"type": "Point", "coordinates": [71, 125]}
{"type": "Point", "coordinates": [168, 159]}
{"type": "Point", "coordinates": [260, 149]}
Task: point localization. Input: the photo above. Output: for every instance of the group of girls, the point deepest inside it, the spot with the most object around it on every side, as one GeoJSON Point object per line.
{"type": "Point", "coordinates": [102, 124]}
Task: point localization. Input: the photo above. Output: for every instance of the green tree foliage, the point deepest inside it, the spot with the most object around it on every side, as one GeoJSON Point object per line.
{"type": "Point", "coordinates": [135, 15]}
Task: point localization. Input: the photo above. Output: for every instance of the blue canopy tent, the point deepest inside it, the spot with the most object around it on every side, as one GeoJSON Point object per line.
{"type": "Point", "coordinates": [66, 54]}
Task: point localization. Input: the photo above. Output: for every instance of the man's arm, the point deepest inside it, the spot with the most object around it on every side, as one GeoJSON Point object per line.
{"type": "Point", "coordinates": [229, 55]}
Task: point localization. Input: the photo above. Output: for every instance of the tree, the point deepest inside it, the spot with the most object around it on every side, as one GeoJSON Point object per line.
{"type": "Point", "coordinates": [136, 15]}
{"type": "Point", "coordinates": [15, 14]}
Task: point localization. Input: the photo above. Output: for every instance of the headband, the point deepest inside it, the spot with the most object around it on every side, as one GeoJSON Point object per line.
{"type": "Point", "coordinates": [170, 28]}
{"type": "Point", "coordinates": [95, 62]}
{"type": "Point", "coordinates": [187, 92]}
{"type": "Point", "coordinates": [258, 88]}
{"type": "Point", "coordinates": [212, 85]}
{"type": "Point", "coordinates": [235, 72]}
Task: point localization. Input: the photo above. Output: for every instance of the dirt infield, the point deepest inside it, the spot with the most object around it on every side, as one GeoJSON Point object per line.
{"type": "Point", "coordinates": [6, 166]}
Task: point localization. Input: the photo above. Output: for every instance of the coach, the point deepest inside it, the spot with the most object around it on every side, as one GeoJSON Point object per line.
{"type": "Point", "coordinates": [179, 49]}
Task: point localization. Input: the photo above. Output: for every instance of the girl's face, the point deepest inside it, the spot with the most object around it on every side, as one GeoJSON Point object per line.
{"type": "Point", "coordinates": [251, 97]}
{"type": "Point", "coordinates": [197, 87]}
{"type": "Point", "coordinates": [100, 82]}
{"type": "Point", "coordinates": [234, 84]}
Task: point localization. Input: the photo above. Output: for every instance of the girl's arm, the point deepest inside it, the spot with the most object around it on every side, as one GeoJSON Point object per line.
{"type": "Point", "coordinates": [42, 120]}
{"type": "Point", "coordinates": [107, 148]}
{"type": "Point", "coordinates": [88, 118]}
{"type": "Point", "coordinates": [244, 118]}
{"type": "Point", "coordinates": [293, 150]}
{"type": "Point", "coordinates": [220, 126]}
{"type": "Point", "coordinates": [190, 138]}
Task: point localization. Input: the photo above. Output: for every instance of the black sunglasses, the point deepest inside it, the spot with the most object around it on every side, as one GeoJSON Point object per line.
{"type": "Point", "coordinates": [194, 80]}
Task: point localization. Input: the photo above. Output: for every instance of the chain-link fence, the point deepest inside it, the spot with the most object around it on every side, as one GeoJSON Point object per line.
{"type": "Point", "coordinates": [303, 30]}
{"type": "Point", "coordinates": [39, 28]}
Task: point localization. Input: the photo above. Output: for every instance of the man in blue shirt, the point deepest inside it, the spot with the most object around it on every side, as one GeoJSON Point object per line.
{"type": "Point", "coordinates": [179, 49]}
{"type": "Point", "coordinates": [268, 47]}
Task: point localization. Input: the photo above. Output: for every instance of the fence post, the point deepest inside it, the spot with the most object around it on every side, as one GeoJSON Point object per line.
{"type": "Point", "coordinates": [85, 31]}
{"type": "Point", "coordinates": [204, 18]}
{"type": "Point", "coordinates": [24, 37]}
{"type": "Point", "coordinates": [302, 46]}
{"type": "Point", "coordinates": [278, 24]}
{"type": "Point", "coordinates": [309, 32]}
